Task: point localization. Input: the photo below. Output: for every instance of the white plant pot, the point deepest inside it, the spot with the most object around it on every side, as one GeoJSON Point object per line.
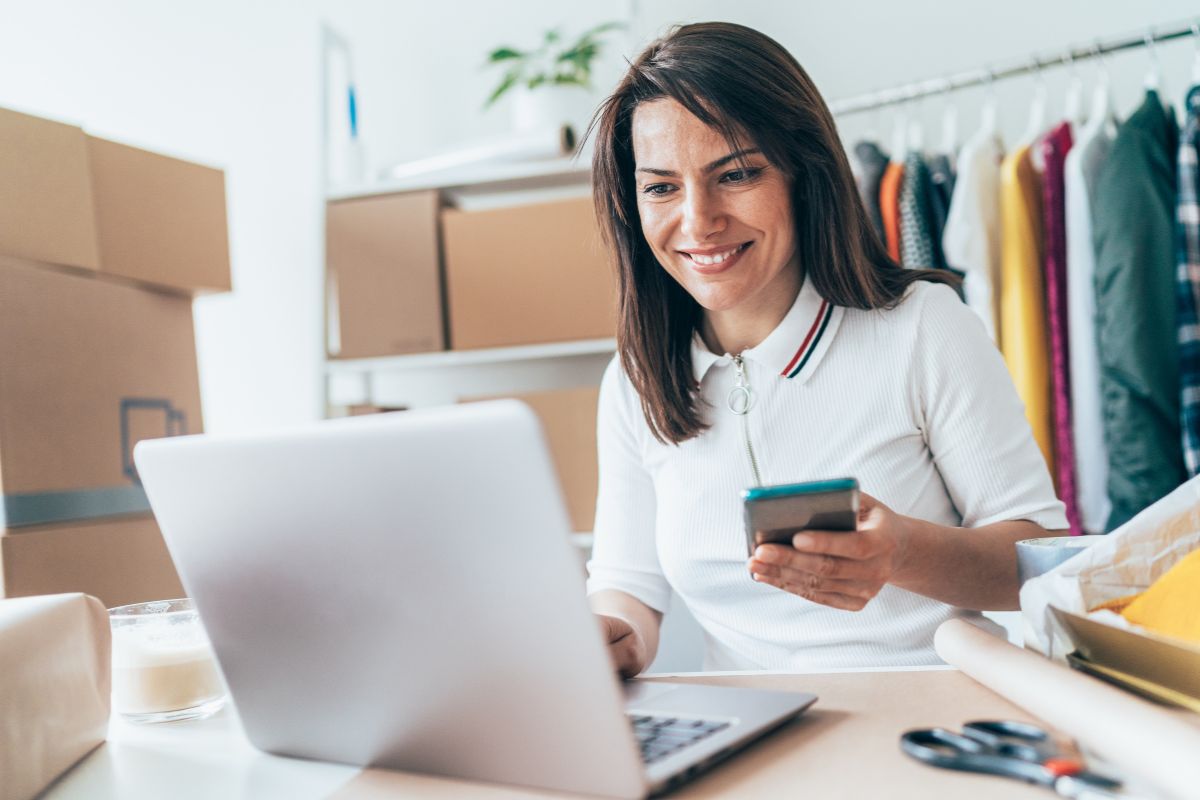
{"type": "Point", "coordinates": [550, 107]}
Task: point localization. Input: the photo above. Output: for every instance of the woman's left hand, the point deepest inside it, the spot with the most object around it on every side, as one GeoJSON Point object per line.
{"type": "Point", "coordinates": [839, 569]}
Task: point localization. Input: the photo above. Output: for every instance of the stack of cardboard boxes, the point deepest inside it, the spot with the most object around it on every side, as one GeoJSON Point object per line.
{"type": "Point", "coordinates": [408, 274]}
{"type": "Point", "coordinates": [102, 247]}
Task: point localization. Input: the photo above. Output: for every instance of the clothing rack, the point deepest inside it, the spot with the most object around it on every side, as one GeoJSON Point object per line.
{"type": "Point", "coordinates": [986, 75]}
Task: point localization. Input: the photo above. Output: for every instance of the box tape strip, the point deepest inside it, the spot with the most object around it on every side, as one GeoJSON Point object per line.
{"type": "Point", "coordinates": [38, 508]}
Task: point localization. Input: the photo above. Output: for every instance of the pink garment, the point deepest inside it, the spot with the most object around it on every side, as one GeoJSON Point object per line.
{"type": "Point", "coordinates": [1055, 147]}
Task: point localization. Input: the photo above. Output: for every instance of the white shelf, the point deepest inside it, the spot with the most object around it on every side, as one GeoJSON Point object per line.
{"type": "Point", "coordinates": [493, 177]}
{"type": "Point", "coordinates": [427, 379]}
{"type": "Point", "coordinates": [466, 358]}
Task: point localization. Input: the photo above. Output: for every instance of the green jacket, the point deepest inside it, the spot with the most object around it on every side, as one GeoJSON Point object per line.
{"type": "Point", "coordinates": [1133, 228]}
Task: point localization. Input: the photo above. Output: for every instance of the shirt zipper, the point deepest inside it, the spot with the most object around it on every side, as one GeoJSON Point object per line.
{"type": "Point", "coordinates": [740, 401]}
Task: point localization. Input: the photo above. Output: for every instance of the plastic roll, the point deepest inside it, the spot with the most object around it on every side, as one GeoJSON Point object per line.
{"type": "Point", "coordinates": [1154, 745]}
{"type": "Point", "coordinates": [529, 146]}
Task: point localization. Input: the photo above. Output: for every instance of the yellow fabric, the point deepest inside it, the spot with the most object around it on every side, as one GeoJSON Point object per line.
{"type": "Point", "coordinates": [1023, 338]}
{"type": "Point", "coordinates": [1172, 604]}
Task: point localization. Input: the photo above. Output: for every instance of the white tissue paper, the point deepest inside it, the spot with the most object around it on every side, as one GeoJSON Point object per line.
{"type": "Point", "coordinates": [1124, 562]}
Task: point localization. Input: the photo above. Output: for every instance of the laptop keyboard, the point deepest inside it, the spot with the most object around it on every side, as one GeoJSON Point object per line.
{"type": "Point", "coordinates": [660, 737]}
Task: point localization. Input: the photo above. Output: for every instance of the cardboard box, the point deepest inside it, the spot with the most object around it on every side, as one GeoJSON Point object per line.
{"type": "Point", "coordinates": [119, 560]}
{"type": "Point", "coordinates": [159, 220]}
{"type": "Point", "coordinates": [384, 271]}
{"type": "Point", "coordinates": [74, 200]}
{"type": "Point", "coordinates": [88, 367]}
{"type": "Point", "coordinates": [46, 200]}
{"type": "Point", "coordinates": [1155, 666]}
{"type": "Point", "coordinates": [568, 418]}
{"type": "Point", "coordinates": [527, 275]}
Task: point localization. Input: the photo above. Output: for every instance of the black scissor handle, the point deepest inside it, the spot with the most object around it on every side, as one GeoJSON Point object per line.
{"type": "Point", "coordinates": [1016, 739]}
{"type": "Point", "coordinates": [939, 747]}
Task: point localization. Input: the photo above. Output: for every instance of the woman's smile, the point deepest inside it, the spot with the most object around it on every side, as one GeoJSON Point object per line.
{"type": "Point", "coordinates": [714, 261]}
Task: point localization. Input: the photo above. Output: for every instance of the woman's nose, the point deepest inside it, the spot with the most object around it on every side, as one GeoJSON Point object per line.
{"type": "Point", "coordinates": [702, 217]}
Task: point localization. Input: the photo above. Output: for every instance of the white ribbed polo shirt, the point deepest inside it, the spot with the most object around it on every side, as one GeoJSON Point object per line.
{"type": "Point", "coordinates": [914, 402]}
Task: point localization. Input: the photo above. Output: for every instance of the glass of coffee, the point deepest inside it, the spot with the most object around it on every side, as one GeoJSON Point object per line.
{"type": "Point", "coordinates": [163, 664]}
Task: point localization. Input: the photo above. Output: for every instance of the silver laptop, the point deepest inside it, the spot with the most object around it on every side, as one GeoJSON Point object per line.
{"type": "Point", "coordinates": [400, 591]}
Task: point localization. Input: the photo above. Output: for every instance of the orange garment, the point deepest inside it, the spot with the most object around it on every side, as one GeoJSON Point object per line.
{"type": "Point", "coordinates": [1023, 332]}
{"type": "Point", "coordinates": [889, 206]}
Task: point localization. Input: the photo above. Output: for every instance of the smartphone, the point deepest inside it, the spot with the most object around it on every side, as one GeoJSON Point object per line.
{"type": "Point", "coordinates": [774, 513]}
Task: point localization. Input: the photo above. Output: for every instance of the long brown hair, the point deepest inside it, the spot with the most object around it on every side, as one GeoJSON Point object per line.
{"type": "Point", "coordinates": [743, 84]}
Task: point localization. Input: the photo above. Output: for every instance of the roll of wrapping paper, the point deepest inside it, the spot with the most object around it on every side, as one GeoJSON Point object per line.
{"type": "Point", "coordinates": [528, 146]}
{"type": "Point", "coordinates": [1156, 746]}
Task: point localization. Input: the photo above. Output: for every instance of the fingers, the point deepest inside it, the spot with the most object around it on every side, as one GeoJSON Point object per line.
{"type": "Point", "coordinates": [817, 565]}
{"type": "Point", "coordinates": [853, 545]}
{"type": "Point", "coordinates": [807, 583]}
{"type": "Point", "coordinates": [846, 602]}
{"type": "Point", "coordinates": [832, 580]}
{"type": "Point", "coordinates": [624, 646]}
{"type": "Point", "coordinates": [613, 628]}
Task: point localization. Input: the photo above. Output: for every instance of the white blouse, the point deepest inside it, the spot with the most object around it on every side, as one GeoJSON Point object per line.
{"type": "Point", "coordinates": [914, 402]}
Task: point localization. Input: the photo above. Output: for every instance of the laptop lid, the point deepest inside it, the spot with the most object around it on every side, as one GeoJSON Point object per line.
{"type": "Point", "coordinates": [399, 590]}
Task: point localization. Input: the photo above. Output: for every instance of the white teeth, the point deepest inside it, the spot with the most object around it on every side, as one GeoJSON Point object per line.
{"type": "Point", "coordinates": [716, 258]}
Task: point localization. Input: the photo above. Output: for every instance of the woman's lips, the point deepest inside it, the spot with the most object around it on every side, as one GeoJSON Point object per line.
{"type": "Point", "coordinates": [715, 268]}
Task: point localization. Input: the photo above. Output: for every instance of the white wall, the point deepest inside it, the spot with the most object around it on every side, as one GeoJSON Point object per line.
{"type": "Point", "coordinates": [235, 84]}
{"type": "Point", "coordinates": [226, 83]}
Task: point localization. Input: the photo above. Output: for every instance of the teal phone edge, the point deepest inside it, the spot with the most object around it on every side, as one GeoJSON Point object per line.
{"type": "Point", "coordinates": [791, 489]}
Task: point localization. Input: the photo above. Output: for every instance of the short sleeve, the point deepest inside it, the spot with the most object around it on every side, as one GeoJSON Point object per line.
{"type": "Point", "coordinates": [624, 554]}
{"type": "Point", "coordinates": [974, 421]}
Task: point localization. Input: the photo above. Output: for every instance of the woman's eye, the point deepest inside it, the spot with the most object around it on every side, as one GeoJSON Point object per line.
{"type": "Point", "coordinates": [657, 189]}
{"type": "Point", "coordinates": [742, 175]}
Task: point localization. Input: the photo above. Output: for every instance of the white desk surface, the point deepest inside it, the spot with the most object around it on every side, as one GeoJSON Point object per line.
{"type": "Point", "coordinates": [856, 720]}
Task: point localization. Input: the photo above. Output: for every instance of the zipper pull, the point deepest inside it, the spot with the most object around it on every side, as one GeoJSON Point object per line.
{"type": "Point", "coordinates": [741, 396]}
{"type": "Point", "coordinates": [741, 400]}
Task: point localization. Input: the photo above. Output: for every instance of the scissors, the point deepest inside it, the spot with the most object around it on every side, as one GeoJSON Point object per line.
{"type": "Point", "coordinates": [1011, 749]}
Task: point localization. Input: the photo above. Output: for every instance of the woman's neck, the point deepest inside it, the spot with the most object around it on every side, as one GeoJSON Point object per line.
{"type": "Point", "coordinates": [737, 329]}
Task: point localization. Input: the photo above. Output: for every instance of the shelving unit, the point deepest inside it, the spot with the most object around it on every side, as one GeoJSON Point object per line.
{"type": "Point", "coordinates": [483, 177]}
{"type": "Point", "coordinates": [425, 379]}
{"type": "Point", "coordinates": [438, 378]}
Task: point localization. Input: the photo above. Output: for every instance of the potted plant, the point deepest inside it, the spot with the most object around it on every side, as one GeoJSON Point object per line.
{"type": "Point", "coordinates": [546, 80]}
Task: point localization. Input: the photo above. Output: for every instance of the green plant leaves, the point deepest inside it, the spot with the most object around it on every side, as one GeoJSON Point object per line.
{"type": "Point", "coordinates": [506, 83]}
{"type": "Point", "coordinates": [504, 54]}
{"type": "Point", "coordinates": [551, 63]}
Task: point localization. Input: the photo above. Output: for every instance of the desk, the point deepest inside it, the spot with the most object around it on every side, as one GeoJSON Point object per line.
{"type": "Point", "coordinates": [845, 746]}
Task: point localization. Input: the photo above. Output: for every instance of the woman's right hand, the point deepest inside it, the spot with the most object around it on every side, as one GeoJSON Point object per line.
{"type": "Point", "coordinates": [626, 647]}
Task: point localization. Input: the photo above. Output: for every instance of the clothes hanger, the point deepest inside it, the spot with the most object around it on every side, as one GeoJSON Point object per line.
{"type": "Point", "coordinates": [1153, 79]}
{"type": "Point", "coordinates": [1196, 58]}
{"type": "Point", "coordinates": [916, 132]}
{"type": "Point", "coordinates": [873, 126]}
{"type": "Point", "coordinates": [1073, 108]}
{"type": "Point", "coordinates": [988, 120]}
{"type": "Point", "coordinates": [949, 124]}
{"type": "Point", "coordinates": [1103, 113]}
{"type": "Point", "coordinates": [1037, 111]}
{"type": "Point", "coordinates": [899, 132]}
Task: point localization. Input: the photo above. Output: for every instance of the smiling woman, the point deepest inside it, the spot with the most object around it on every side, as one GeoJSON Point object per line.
{"type": "Point", "coordinates": [748, 270]}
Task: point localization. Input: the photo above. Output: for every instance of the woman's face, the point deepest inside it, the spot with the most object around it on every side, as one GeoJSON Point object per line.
{"type": "Point", "coordinates": [725, 232]}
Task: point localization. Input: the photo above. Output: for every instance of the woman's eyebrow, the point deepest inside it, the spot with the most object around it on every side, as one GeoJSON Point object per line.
{"type": "Point", "coordinates": [720, 162]}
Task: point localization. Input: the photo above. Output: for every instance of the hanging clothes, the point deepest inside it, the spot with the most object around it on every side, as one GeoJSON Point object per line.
{"type": "Point", "coordinates": [917, 249]}
{"type": "Point", "coordinates": [941, 190]}
{"type": "Point", "coordinates": [971, 239]}
{"type": "Point", "coordinates": [1023, 295]}
{"type": "Point", "coordinates": [889, 206]}
{"type": "Point", "coordinates": [1187, 218]}
{"type": "Point", "coordinates": [1080, 172]}
{"type": "Point", "coordinates": [872, 162]}
{"type": "Point", "coordinates": [1136, 325]}
{"type": "Point", "coordinates": [1055, 146]}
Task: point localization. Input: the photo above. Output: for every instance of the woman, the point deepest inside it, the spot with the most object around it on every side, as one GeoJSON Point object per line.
{"type": "Point", "coordinates": [746, 259]}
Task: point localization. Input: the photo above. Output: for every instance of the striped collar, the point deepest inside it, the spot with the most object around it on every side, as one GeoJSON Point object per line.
{"type": "Point", "coordinates": [796, 345]}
